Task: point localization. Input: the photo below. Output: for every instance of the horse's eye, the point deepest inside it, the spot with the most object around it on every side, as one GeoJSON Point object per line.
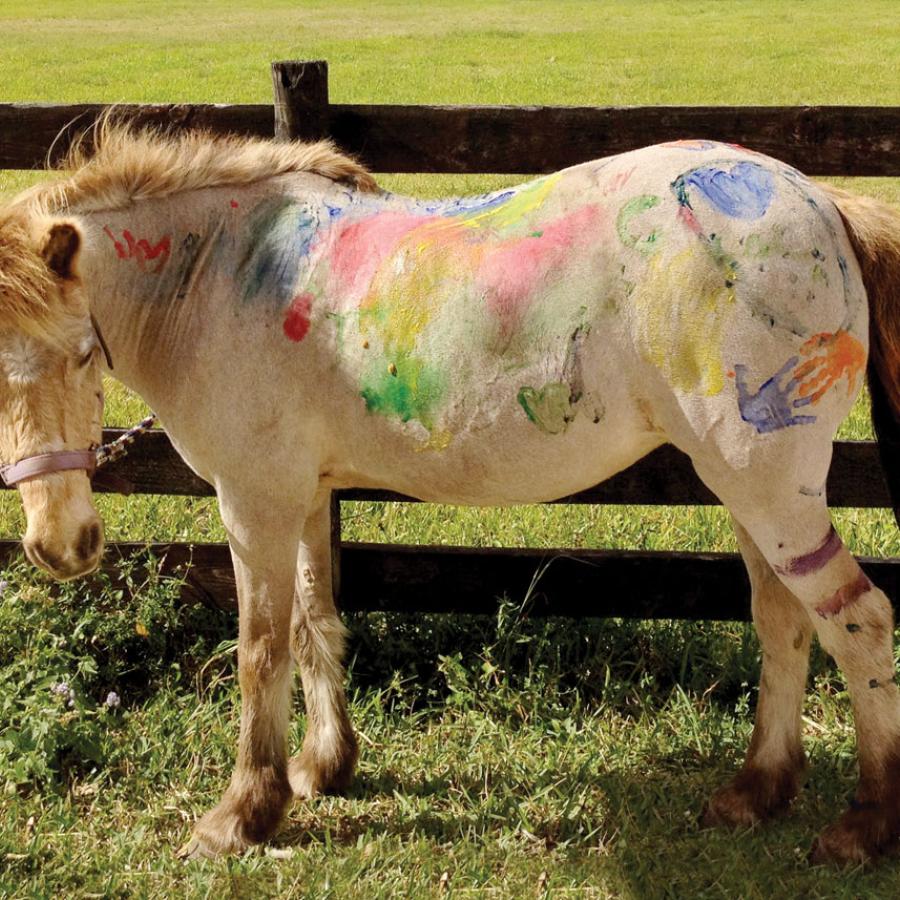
{"type": "Point", "coordinates": [84, 360]}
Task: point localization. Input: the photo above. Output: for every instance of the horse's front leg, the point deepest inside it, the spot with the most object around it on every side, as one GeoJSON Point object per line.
{"type": "Point", "coordinates": [329, 753]}
{"type": "Point", "coordinates": [264, 551]}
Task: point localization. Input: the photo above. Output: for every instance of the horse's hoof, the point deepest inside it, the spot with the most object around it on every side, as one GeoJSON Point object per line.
{"type": "Point", "coordinates": [859, 836]}
{"type": "Point", "coordinates": [214, 836]}
{"type": "Point", "coordinates": [237, 823]}
{"type": "Point", "coordinates": [196, 848]}
{"type": "Point", "coordinates": [753, 796]}
{"type": "Point", "coordinates": [727, 810]}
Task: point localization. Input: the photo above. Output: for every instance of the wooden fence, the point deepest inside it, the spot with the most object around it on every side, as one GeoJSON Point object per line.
{"type": "Point", "coordinates": [822, 140]}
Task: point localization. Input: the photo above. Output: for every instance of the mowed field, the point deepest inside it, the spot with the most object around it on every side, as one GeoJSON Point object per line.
{"type": "Point", "coordinates": [504, 757]}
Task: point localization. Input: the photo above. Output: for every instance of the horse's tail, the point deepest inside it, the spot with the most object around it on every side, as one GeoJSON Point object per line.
{"type": "Point", "coordinates": [874, 231]}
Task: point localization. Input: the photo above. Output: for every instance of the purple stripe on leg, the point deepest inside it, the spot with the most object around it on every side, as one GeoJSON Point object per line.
{"type": "Point", "coordinates": [812, 562]}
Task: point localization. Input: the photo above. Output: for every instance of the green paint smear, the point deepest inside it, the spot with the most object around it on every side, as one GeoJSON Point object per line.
{"type": "Point", "coordinates": [647, 243]}
{"type": "Point", "coordinates": [410, 394]}
{"type": "Point", "coordinates": [723, 259]}
{"type": "Point", "coordinates": [551, 407]}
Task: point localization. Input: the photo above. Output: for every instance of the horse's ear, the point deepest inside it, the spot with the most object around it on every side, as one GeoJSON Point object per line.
{"type": "Point", "coordinates": [60, 249]}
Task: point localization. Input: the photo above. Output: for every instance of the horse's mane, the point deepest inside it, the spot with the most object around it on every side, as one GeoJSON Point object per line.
{"type": "Point", "coordinates": [125, 164]}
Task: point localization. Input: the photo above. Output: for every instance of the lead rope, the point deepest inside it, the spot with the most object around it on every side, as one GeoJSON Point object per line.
{"type": "Point", "coordinates": [119, 447]}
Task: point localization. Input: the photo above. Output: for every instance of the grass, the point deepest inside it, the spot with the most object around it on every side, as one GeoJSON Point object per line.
{"type": "Point", "coordinates": [502, 757]}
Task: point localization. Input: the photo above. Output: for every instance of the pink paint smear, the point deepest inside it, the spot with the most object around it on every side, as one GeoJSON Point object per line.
{"type": "Point", "coordinates": [361, 247]}
{"type": "Point", "coordinates": [509, 274]}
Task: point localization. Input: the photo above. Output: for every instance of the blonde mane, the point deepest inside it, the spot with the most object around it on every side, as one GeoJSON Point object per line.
{"type": "Point", "coordinates": [126, 165]}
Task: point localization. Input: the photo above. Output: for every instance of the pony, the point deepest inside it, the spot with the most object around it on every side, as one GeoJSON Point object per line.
{"type": "Point", "coordinates": [299, 330]}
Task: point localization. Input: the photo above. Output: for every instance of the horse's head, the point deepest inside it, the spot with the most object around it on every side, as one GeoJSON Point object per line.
{"type": "Point", "coordinates": [51, 392]}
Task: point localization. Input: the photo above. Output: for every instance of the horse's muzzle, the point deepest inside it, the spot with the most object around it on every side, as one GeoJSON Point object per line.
{"type": "Point", "coordinates": [81, 558]}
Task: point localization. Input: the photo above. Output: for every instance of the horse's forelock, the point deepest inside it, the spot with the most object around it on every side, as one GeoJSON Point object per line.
{"type": "Point", "coordinates": [27, 287]}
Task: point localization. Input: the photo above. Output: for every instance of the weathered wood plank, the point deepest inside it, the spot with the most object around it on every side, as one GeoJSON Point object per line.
{"type": "Point", "coordinates": [664, 478]}
{"type": "Point", "coordinates": [30, 131]}
{"type": "Point", "coordinates": [583, 583]}
{"type": "Point", "coordinates": [602, 583]}
{"type": "Point", "coordinates": [301, 100]}
{"type": "Point", "coordinates": [206, 568]}
{"type": "Point", "coordinates": [153, 466]}
{"type": "Point", "coordinates": [819, 140]}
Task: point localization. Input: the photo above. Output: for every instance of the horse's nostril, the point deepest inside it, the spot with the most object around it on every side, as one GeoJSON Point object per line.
{"type": "Point", "coordinates": [89, 541]}
{"type": "Point", "coordinates": [41, 556]}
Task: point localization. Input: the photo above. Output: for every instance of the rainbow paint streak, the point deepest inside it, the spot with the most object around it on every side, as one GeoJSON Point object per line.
{"type": "Point", "coordinates": [402, 270]}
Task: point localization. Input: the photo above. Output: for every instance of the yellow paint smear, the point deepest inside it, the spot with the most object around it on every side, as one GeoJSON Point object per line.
{"type": "Point", "coordinates": [683, 304]}
{"type": "Point", "coordinates": [439, 440]}
{"type": "Point", "coordinates": [524, 200]}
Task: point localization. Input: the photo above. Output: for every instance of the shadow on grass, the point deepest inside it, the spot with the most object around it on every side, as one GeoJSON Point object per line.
{"type": "Point", "coordinates": [664, 851]}
{"type": "Point", "coordinates": [649, 830]}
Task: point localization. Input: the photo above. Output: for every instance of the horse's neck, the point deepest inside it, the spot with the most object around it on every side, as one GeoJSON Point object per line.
{"type": "Point", "coordinates": [164, 278]}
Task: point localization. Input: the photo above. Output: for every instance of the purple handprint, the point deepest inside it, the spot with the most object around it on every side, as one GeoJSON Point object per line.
{"type": "Point", "coordinates": [771, 407]}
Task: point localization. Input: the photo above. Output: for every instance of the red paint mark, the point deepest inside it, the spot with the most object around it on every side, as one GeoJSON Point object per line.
{"type": "Point", "coordinates": [141, 249]}
{"type": "Point", "coordinates": [234, 204]}
{"type": "Point", "coordinates": [296, 319]}
{"type": "Point", "coordinates": [618, 181]}
{"type": "Point", "coordinates": [686, 214]}
{"type": "Point", "coordinates": [730, 373]}
{"type": "Point", "coordinates": [508, 274]}
{"type": "Point", "coordinates": [845, 596]}
{"type": "Point", "coordinates": [816, 559]}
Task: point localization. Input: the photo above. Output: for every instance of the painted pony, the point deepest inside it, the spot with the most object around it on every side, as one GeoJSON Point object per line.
{"type": "Point", "coordinates": [298, 330]}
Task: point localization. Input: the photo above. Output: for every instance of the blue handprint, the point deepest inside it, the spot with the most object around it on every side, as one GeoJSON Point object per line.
{"type": "Point", "coordinates": [771, 407]}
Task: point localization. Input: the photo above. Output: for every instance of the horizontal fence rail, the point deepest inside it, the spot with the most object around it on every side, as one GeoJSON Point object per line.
{"type": "Point", "coordinates": [818, 140]}
{"type": "Point", "coordinates": [562, 582]}
{"type": "Point", "coordinates": [400, 578]}
{"type": "Point", "coordinates": [664, 477]}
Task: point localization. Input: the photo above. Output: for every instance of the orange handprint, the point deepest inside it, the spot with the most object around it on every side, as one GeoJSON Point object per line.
{"type": "Point", "coordinates": [830, 357]}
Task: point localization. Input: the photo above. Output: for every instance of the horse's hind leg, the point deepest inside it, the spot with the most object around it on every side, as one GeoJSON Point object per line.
{"type": "Point", "coordinates": [854, 622]}
{"type": "Point", "coordinates": [774, 766]}
{"type": "Point", "coordinates": [329, 753]}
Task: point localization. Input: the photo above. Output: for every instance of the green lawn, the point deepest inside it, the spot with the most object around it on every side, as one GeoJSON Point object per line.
{"type": "Point", "coordinates": [520, 758]}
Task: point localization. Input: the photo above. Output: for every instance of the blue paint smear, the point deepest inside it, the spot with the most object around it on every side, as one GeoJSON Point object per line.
{"type": "Point", "coordinates": [466, 206]}
{"type": "Point", "coordinates": [771, 407]}
{"type": "Point", "coordinates": [280, 235]}
{"type": "Point", "coordinates": [743, 192]}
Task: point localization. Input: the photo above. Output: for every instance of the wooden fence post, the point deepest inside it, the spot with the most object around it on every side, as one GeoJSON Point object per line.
{"type": "Point", "coordinates": [301, 99]}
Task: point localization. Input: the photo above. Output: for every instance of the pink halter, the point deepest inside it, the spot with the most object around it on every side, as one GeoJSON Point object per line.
{"type": "Point", "coordinates": [45, 463]}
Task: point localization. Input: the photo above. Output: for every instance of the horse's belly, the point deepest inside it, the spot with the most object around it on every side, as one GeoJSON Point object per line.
{"type": "Point", "coordinates": [525, 478]}
{"type": "Point", "coordinates": [511, 459]}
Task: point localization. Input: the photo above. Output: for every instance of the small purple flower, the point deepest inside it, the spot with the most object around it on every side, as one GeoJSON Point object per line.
{"type": "Point", "coordinates": [113, 701]}
{"type": "Point", "coordinates": [4, 584]}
